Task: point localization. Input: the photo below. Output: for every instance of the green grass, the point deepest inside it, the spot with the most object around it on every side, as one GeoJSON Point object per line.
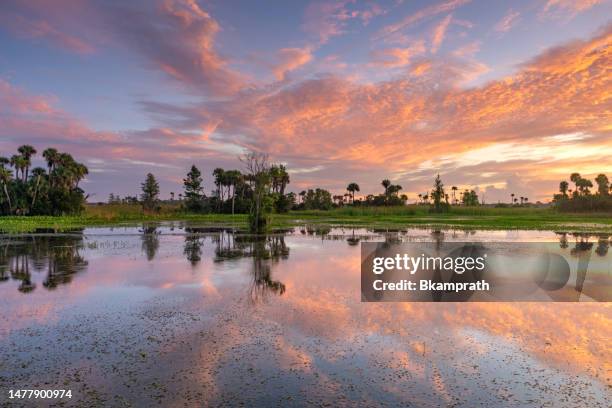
{"type": "Point", "coordinates": [461, 217]}
{"type": "Point", "coordinates": [376, 217]}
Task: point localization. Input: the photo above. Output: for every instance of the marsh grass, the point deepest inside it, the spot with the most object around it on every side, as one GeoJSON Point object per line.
{"type": "Point", "coordinates": [400, 216]}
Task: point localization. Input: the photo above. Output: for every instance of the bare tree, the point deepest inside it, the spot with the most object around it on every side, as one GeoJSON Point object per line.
{"type": "Point", "coordinates": [258, 169]}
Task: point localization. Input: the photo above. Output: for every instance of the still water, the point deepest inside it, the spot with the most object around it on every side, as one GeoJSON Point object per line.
{"type": "Point", "coordinates": [181, 315]}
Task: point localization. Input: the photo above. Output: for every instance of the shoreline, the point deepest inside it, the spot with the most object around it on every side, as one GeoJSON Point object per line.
{"type": "Point", "coordinates": [545, 222]}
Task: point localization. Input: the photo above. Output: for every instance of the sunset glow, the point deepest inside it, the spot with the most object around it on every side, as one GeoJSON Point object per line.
{"type": "Point", "coordinates": [508, 98]}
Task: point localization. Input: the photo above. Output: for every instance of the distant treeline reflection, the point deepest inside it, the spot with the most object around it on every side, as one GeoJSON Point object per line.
{"type": "Point", "coordinates": [60, 257]}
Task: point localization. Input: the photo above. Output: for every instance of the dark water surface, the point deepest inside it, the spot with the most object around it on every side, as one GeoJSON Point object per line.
{"type": "Point", "coordinates": [179, 315]}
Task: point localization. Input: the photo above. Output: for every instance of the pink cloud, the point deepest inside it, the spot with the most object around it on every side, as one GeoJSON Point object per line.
{"type": "Point", "coordinates": [397, 57]}
{"type": "Point", "coordinates": [508, 21]}
{"type": "Point", "coordinates": [183, 35]}
{"type": "Point", "coordinates": [37, 21]}
{"type": "Point", "coordinates": [290, 59]}
{"type": "Point", "coordinates": [567, 8]}
{"type": "Point", "coordinates": [176, 37]}
{"type": "Point", "coordinates": [34, 117]}
{"type": "Point", "coordinates": [327, 19]}
{"type": "Point", "coordinates": [468, 50]}
{"type": "Point", "coordinates": [439, 34]}
{"type": "Point", "coordinates": [420, 15]}
{"type": "Point", "coordinates": [39, 29]}
{"type": "Point", "coordinates": [397, 125]}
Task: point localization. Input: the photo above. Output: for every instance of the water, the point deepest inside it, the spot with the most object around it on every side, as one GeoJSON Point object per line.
{"type": "Point", "coordinates": [179, 315]}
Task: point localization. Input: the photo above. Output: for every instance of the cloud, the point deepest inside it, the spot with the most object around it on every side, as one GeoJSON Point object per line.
{"type": "Point", "coordinates": [38, 29]}
{"type": "Point", "coordinates": [177, 37]}
{"type": "Point", "coordinates": [468, 50]}
{"type": "Point", "coordinates": [420, 15]}
{"type": "Point", "coordinates": [28, 20]}
{"type": "Point", "coordinates": [507, 22]}
{"type": "Point", "coordinates": [397, 57]}
{"type": "Point", "coordinates": [394, 126]}
{"type": "Point", "coordinates": [439, 34]}
{"type": "Point", "coordinates": [567, 8]}
{"type": "Point", "coordinates": [290, 59]}
{"type": "Point", "coordinates": [327, 19]}
{"type": "Point", "coordinates": [36, 119]}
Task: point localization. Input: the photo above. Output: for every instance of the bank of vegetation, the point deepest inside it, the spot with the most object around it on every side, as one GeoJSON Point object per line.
{"type": "Point", "coordinates": [41, 191]}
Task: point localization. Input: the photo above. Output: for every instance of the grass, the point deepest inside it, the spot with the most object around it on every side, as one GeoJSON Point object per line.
{"type": "Point", "coordinates": [376, 217]}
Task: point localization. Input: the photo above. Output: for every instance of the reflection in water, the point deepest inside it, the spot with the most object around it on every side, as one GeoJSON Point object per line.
{"type": "Point", "coordinates": [175, 330]}
{"type": "Point", "coordinates": [265, 251]}
{"type": "Point", "coordinates": [583, 250]}
{"type": "Point", "coordinates": [150, 241]}
{"type": "Point", "coordinates": [59, 256]}
{"type": "Point", "coordinates": [193, 249]}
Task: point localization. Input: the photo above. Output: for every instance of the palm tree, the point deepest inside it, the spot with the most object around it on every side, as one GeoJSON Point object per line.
{"type": "Point", "coordinates": [420, 197]}
{"type": "Point", "coordinates": [218, 175]}
{"type": "Point", "coordinates": [51, 155]}
{"type": "Point", "coordinates": [5, 179]}
{"type": "Point", "coordinates": [37, 173]}
{"type": "Point", "coordinates": [511, 198]}
{"type": "Point", "coordinates": [79, 171]}
{"type": "Point", "coordinates": [303, 194]}
{"type": "Point", "coordinates": [584, 185]}
{"type": "Point", "coordinates": [283, 178]}
{"type": "Point", "coordinates": [386, 183]}
{"type": "Point", "coordinates": [4, 161]}
{"type": "Point", "coordinates": [352, 187]}
{"type": "Point", "coordinates": [563, 186]}
{"type": "Point", "coordinates": [232, 178]}
{"type": "Point", "coordinates": [454, 188]}
{"type": "Point", "coordinates": [27, 152]}
{"type": "Point", "coordinates": [602, 184]}
{"type": "Point", "coordinates": [575, 178]}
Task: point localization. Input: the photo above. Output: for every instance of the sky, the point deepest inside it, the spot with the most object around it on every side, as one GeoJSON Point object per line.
{"type": "Point", "coordinates": [503, 97]}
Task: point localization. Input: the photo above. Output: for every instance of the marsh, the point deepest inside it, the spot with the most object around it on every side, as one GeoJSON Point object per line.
{"type": "Point", "coordinates": [180, 314]}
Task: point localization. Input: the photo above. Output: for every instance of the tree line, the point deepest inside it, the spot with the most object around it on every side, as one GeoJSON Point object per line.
{"type": "Point", "coordinates": [39, 191]}
{"type": "Point", "coordinates": [581, 198]}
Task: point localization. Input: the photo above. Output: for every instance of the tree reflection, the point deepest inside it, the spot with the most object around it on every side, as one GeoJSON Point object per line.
{"type": "Point", "coordinates": [58, 256]}
{"type": "Point", "coordinates": [603, 244]}
{"type": "Point", "coordinates": [582, 251]}
{"type": "Point", "coordinates": [150, 241]}
{"type": "Point", "coordinates": [264, 250]}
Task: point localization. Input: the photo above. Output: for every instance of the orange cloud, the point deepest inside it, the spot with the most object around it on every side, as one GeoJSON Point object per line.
{"type": "Point", "coordinates": [397, 57]}
{"type": "Point", "coordinates": [398, 124]}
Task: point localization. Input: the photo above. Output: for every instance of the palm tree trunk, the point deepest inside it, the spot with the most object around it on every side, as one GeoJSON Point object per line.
{"type": "Point", "coordinates": [233, 197]}
{"type": "Point", "coordinates": [35, 193]}
{"type": "Point", "coordinates": [8, 198]}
